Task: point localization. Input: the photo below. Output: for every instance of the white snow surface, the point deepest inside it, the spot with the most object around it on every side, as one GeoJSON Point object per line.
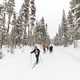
{"type": "Point", "coordinates": [62, 64]}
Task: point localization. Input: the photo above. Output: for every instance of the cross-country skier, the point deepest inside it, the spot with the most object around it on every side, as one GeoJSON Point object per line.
{"type": "Point", "coordinates": [51, 48]}
{"type": "Point", "coordinates": [36, 51]}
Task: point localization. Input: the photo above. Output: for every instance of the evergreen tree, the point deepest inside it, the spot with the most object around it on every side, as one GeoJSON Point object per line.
{"type": "Point", "coordinates": [32, 16]}
{"type": "Point", "coordinates": [56, 40]}
{"type": "Point", "coordinates": [13, 33]}
{"type": "Point", "coordinates": [41, 35]}
{"type": "Point", "coordinates": [60, 31]}
{"type": "Point", "coordinates": [3, 32]}
{"type": "Point", "coordinates": [1, 25]}
{"type": "Point", "coordinates": [76, 13]}
{"type": "Point", "coordinates": [59, 36]}
{"type": "Point", "coordinates": [70, 19]}
{"type": "Point", "coordinates": [24, 18]}
{"type": "Point", "coordinates": [72, 3]}
{"type": "Point", "coordinates": [10, 9]}
{"type": "Point", "coordinates": [18, 31]}
{"type": "Point", "coordinates": [64, 29]}
{"type": "Point", "coordinates": [2, 28]}
{"type": "Point", "coordinates": [70, 25]}
{"type": "Point", "coordinates": [31, 26]}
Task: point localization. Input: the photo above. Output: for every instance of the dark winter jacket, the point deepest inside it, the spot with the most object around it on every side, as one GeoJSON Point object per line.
{"type": "Point", "coordinates": [51, 48]}
{"type": "Point", "coordinates": [36, 52]}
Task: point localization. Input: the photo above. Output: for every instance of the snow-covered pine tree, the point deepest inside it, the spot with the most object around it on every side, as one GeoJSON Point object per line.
{"type": "Point", "coordinates": [5, 40]}
{"type": "Point", "coordinates": [72, 3]}
{"type": "Point", "coordinates": [24, 16]}
{"type": "Point", "coordinates": [41, 35]}
{"type": "Point", "coordinates": [18, 31]}
{"type": "Point", "coordinates": [1, 28]}
{"type": "Point", "coordinates": [70, 26]}
{"type": "Point", "coordinates": [64, 29]}
{"type": "Point", "coordinates": [10, 5]}
{"type": "Point", "coordinates": [32, 16]}
{"type": "Point", "coordinates": [3, 32]}
{"type": "Point", "coordinates": [1, 25]}
{"type": "Point", "coordinates": [59, 36]}
{"type": "Point", "coordinates": [32, 11]}
{"type": "Point", "coordinates": [13, 32]}
{"type": "Point", "coordinates": [75, 7]}
{"type": "Point", "coordinates": [60, 31]}
{"type": "Point", "coordinates": [56, 40]}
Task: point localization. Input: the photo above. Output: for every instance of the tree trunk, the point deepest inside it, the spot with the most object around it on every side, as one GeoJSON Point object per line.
{"type": "Point", "coordinates": [9, 17]}
{"type": "Point", "coordinates": [75, 43]}
{"type": "Point", "coordinates": [4, 21]}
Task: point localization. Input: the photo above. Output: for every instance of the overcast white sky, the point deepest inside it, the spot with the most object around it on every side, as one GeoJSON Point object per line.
{"type": "Point", "coordinates": [51, 10]}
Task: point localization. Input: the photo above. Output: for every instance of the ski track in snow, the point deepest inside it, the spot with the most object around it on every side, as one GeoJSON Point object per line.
{"type": "Point", "coordinates": [62, 64]}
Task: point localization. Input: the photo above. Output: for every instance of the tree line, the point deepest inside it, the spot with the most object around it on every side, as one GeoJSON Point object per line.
{"type": "Point", "coordinates": [69, 29]}
{"type": "Point", "coordinates": [22, 29]}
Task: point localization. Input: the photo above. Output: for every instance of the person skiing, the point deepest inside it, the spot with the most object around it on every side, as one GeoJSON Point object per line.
{"type": "Point", "coordinates": [36, 51]}
{"type": "Point", "coordinates": [44, 49]}
{"type": "Point", "coordinates": [51, 48]}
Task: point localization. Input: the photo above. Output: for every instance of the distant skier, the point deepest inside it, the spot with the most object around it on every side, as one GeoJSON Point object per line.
{"type": "Point", "coordinates": [51, 48]}
{"type": "Point", "coordinates": [44, 49]}
{"type": "Point", "coordinates": [36, 51]}
{"type": "Point", "coordinates": [1, 54]}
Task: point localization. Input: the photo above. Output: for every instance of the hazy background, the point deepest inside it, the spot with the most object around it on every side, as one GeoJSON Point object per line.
{"type": "Point", "coordinates": [51, 10]}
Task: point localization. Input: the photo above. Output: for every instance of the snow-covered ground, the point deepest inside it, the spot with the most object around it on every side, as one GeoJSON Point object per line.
{"type": "Point", "coordinates": [62, 64]}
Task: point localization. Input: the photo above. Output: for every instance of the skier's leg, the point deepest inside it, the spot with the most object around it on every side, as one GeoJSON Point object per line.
{"type": "Point", "coordinates": [37, 59]}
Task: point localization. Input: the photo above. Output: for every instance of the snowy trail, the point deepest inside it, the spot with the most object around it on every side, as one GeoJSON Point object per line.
{"type": "Point", "coordinates": [62, 64]}
{"type": "Point", "coordinates": [67, 67]}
